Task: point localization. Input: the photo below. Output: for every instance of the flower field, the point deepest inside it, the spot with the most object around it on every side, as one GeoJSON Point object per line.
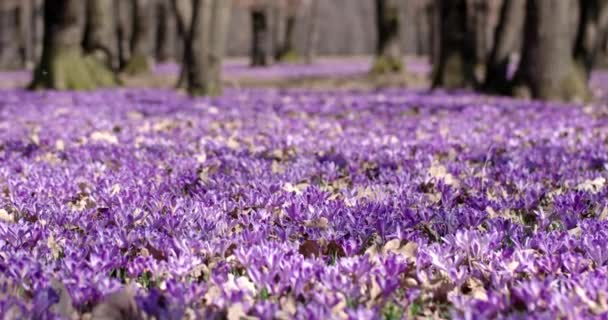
{"type": "Point", "coordinates": [301, 205]}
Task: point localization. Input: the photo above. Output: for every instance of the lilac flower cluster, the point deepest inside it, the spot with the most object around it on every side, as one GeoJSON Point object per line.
{"type": "Point", "coordinates": [297, 205]}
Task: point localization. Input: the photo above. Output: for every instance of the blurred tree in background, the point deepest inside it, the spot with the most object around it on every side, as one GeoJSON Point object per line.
{"type": "Point", "coordinates": [64, 64]}
{"type": "Point", "coordinates": [531, 48]}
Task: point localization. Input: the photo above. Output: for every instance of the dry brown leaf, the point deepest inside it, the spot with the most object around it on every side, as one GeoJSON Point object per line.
{"type": "Point", "coordinates": [604, 214]}
{"type": "Point", "coordinates": [438, 171]}
{"type": "Point", "coordinates": [298, 188]}
{"type": "Point", "coordinates": [117, 306]}
{"type": "Point", "coordinates": [320, 223]}
{"type": "Point", "coordinates": [310, 248]}
{"type": "Point", "coordinates": [236, 311]}
{"type": "Point", "coordinates": [6, 217]}
{"type": "Point", "coordinates": [59, 145]}
{"type": "Point", "coordinates": [201, 157]}
{"type": "Point", "coordinates": [64, 307]}
{"type": "Point", "coordinates": [104, 136]}
{"type": "Point", "coordinates": [54, 246]}
{"type": "Point", "coordinates": [408, 250]}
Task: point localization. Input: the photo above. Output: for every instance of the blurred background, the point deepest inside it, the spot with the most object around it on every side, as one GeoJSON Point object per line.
{"type": "Point", "coordinates": [498, 46]}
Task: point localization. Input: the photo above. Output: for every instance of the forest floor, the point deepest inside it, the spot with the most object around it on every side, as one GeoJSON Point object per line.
{"type": "Point", "coordinates": [326, 73]}
{"type": "Point", "coordinates": [293, 203]}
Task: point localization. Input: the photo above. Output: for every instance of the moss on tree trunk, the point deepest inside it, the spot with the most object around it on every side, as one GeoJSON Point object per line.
{"type": "Point", "coordinates": [67, 68]}
{"type": "Point", "coordinates": [138, 64]}
{"type": "Point", "coordinates": [143, 37]}
{"type": "Point", "coordinates": [63, 65]}
{"type": "Point", "coordinates": [388, 49]}
{"type": "Point", "coordinates": [286, 50]}
{"type": "Point", "coordinates": [455, 68]}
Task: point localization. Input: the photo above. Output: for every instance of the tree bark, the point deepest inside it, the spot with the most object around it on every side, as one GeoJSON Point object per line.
{"type": "Point", "coordinates": [166, 46]}
{"type": "Point", "coordinates": [206, 46]}
{"type": "Point", "coordinates": [99, 37]}
{"type": "Point", "coordinates": [260, 54]}
{"type": "Point", "coordinates": [477, 19]}
{"type": "Point", "coordinates": [279, 16]}
{"type": "Point", "coordinates": [123, 14]}
{"type": "Point", "coordinates": [456, 63]}
{"type": "Point", "coordinates": [593, 22]}
{"type": "Point", "coordinates": [63, 65]}
{"type": "Point", "coordinates": [507, 34]}
{"type": "Point", "coordinates": [142, 38]}
{"type": "Point", "coordinates": [601, 59]}
{"type": "Point", "coordinates": [388, 48]}
{"type": "Point", "coordinates": [312, 39]}
{"type": "Point", "coordinates": [9, 35]}
{"type": "Point", "coordinates": [37, 28]}
{"type": "Point", "coordinates": [183, 10]}
{"type": "Point", "coordinates": [433, 17]}
{"type": "Point", "coordinates": [547, 70]}
{"type": "Point", "coordinates": [25, 33]}
{"type": "Point", "coordinates": [286, 47]}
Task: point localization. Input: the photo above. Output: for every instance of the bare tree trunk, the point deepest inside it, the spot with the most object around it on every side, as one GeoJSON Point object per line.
{"type": "Point", "coordinates": [547, 70]}
{"type": "Point", "coordinates": [422, 26]}
{"type": "Point", "coordinates": [99, 37]}
{"type": "Point", "coordinates": [142, 38]}
{"type": "Point", "coordinates": [37, 28]}
{"type": "Point", "coordinates": [63, 65]}
{"type": "Point", "coordinates": [279, 16]}
{"type": "Point", "coordinates": [477, 19]}
{"type": "Point", "coordinates": [286, 47]}
{"type": "Point", "coordinates": [601, 59]}
{"type": "Point", "coordinates": [166, 47]}
{"type": "Point", "coordinates": [312, 39]}
{"type": "Point", "coordinates": [455, 67]}
{"type": "Point", "coordinates": [184, 13]}
{"type": "Point", "coordinates": [123, 14]}
{"type": "Point", "coordinates": [388, 48]}
{"type": "Point", "coordinates": [25, 33]}
{"type": "Point", "coordinates": [207, 41]}
{"type": "Point", "coordinates": [9, 36]}
{"type": "Point", "coordinates": [260, 54]}
{"type": "Point", "coordinates": [508, 32]}
{"type": "Point", "coordinates": [593, 22]}
{"type": "Point", "coordinates": [433, 17]}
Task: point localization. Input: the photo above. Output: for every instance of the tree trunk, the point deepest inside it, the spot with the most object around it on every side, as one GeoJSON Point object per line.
{"type": "Point", "coordinates": [206, 46]}
{"type": "Point", "coordinates": [37, 28]}
{"type": "Point", "coordinates": [278, 29]}
{"type": "Point", "coordinates": [165, 48]}
{"type": "Point", "coordinates": [142, 38]}
{"type": "Point", "coordinates": [99, 37]}
{"type": "Point", "coordinates": [183, 10]}
{"type": "Point", "coordinates": [477, 20]}
{"type": "Point", "coordinates": [25, 33]}
{"type": "Point", "coordinates": [63, 65]}
{"type": "Point", "coordinates": [286, 47]}
{"type": "Point", "coordinates": [312, 38]}
{"type": "Point", "coordinates": [123, 14]}
{"type": "Point", "coordinates": [508, 33]}
{"type": "Point", "coordinates": [593, 22]}
{"type": "Point", "coordinates": [388, 48]}
{"type": "Point", "coordinates": [601, 59]}
{"type": "Point", "coordinates": [9, 36]}
{"type": "Point", "coordinates": [547, 70]}
{"type": "Point", "coordinates": [433, 17]}
{"type": "Point", "coordinates": [455, 67]}
{"type": "Point", "coordinates": [260, 54]}
{"type": "Point", "coordinates": [422, 27]}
